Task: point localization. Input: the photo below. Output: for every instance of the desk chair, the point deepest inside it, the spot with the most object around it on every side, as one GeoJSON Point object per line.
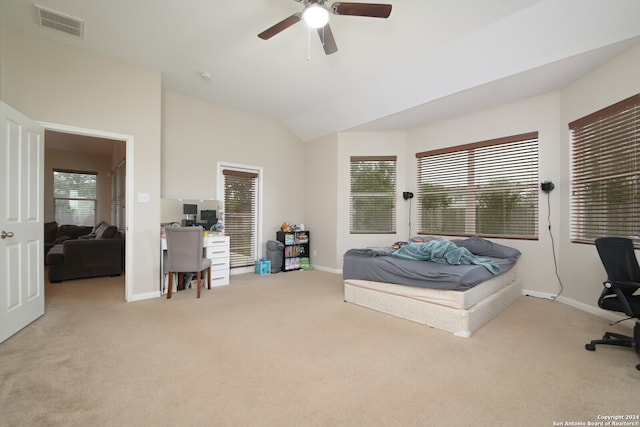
{"type": "Point", "coordinates": [184, 254]}
{"type": "Point", "coordinates": [623, 279]}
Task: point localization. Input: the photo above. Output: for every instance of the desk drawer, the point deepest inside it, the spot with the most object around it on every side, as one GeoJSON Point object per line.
{"type": "Point", "coordinates": [218, 251]}
{"type": "Point", "coordinates": [220, 264]}
{"type": "Point", "coordinates": [219, 277]}
{"type": "Point", "coordinates": [216, 240]}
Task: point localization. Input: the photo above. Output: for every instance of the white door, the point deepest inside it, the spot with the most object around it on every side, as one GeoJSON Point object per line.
{"type": "Point", "coordinates": [21, 223]}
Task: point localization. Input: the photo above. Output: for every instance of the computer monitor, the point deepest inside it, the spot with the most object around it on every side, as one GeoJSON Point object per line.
{"type": "Point", "coordinates": [189, 209]}
{"type": "Point", "coordinates": [209, 216]}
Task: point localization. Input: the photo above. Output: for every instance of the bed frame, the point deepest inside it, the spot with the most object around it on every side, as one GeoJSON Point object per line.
{"type": "Point", "coordinates": [451, 311]}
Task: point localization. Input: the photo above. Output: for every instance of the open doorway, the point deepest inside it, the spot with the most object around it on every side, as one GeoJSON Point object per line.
{"type": "Point", "coordinates": [108, 154]}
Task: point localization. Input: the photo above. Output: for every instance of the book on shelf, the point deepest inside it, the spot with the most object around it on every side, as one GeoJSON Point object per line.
{"type": "Point", "coordinates": [292, 263]}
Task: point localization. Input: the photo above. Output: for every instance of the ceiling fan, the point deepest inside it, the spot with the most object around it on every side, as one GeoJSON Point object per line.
{"type": "Point", "coordinates": [316, 15]}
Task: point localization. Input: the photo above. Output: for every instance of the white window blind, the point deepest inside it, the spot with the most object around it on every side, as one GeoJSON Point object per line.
{"type": "Point", "coordinates": [605, 168]}
{"type": "Point", "coordinates": [74, 197]}
{"type": "Point", "coordinates": [118, 179]}
{"type": "Point", "coordinates": [488, 188]}
{"type": "Point", "coordinates": [373, 195]}
{"type": "Point", "coordinates": [240, 215]}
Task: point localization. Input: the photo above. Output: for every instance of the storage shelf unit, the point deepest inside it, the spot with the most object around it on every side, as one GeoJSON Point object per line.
{"type": "Point", "coordinates": [296, 246]}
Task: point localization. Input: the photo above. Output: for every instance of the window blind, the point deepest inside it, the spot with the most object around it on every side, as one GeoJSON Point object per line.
{"type": "Point", "coordinates": [74, 197]}
{"type": "Point", "coordinates": [240, 215]}
{"type": "Point", "coordinates": [605, 168]}
{"type": "Point", "coordinates": [488, 188]}
{"type": "Point", "coordinates": [118, 196]}
{"type": "Point", "coordinates": [373, 195]}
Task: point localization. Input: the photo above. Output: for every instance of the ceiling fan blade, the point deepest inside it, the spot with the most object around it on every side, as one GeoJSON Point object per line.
{"type": "Point", "coordinates": [373, 10]}
{"type": "Point", "coordinates": [280, 26]}
{"type": "Point", "coordinates": [328, 42]}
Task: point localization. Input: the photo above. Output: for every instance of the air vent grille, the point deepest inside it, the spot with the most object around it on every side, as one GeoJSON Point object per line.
{"type": "Point", "coordinates": [61, 22]}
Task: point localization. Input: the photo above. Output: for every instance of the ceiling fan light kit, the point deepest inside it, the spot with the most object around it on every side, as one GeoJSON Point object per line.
{"type": "Point", "coordinates": [316, 15]}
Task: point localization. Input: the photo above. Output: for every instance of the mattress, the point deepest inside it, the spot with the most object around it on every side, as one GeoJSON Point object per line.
{"type": "Point", "coordinates": [419, 273]}
{"type": "Point", "coordinates": [448, 298]}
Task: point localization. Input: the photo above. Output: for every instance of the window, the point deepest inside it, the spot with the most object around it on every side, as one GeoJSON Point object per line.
{"type": "Point", "coordinates": [373, 195]}
{"type": "Point", "coordinates": [240, 215]}
{"type": "Point", "coordinates": [488, 188]}
{"type": "Point", "coordinates": [74, 197]}
{"type": "Point", "coordinates": [605, 168]}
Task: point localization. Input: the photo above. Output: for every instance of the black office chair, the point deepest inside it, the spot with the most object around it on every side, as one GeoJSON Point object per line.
{"type": "Point", "coordinates": [623, 279]}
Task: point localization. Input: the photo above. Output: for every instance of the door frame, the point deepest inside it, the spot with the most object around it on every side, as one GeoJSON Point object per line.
{"type": "Point", "coordinates": [128, 139]}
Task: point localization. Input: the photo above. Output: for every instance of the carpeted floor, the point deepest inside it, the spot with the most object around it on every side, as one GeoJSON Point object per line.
{"type": "Point", "coordinates": [285, 350]}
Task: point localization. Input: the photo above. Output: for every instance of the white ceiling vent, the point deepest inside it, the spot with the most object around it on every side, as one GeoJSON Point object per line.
{"type": "Point", "coordinates": [59, 21]}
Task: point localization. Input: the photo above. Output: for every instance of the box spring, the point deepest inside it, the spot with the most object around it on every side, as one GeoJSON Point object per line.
{"type": "Point", "coordinates": [461, 313]}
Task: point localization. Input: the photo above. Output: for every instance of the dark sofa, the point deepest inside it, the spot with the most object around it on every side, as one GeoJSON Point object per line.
{"type": "Point", "coordinates": [100, 252]}
{"type": "Point", "coordinates": [54, 234]}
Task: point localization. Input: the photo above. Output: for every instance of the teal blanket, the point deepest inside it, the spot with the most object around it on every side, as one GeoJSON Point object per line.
{"type": "Point", "coordinates": [444, 252]}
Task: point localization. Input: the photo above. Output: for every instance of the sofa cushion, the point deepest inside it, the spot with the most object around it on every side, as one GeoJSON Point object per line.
{"type": "Point", "coordinates": [55, 255]}
{"type": "Point", "coordinates": [73, 231]}
{"type": "Point", "coordinates": [110, 232]}
{"type": "Point", "coordinates": [50, 231]}
{"type": "Point", "coordinates": [104, 230]}
{"type": "Point", "coordinates": [61, 239]}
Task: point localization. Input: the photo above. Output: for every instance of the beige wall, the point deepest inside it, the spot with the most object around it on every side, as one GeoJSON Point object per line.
{"type": "Point", "coordinates": [63, 85]}
{"type": "Point", "coordinates": [580, 267]}
{"type": "Point", "coordinates": [57, 159]}
{"type": "Point", "coordinates": [373, 144]}
{"type": "Point", "coordinates": [198, 135]}
{"type": "Point", "coordinates": [321, 213]}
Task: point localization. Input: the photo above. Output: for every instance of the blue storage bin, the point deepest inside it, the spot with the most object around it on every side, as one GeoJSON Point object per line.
{"type": "Point", "coordinates": [263, 267]}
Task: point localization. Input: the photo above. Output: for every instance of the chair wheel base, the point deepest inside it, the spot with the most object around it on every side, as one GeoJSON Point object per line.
{"type": "Point", "coordinates": [617, 340]}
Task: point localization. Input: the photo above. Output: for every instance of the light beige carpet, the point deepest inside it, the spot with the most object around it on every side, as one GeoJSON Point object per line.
{"type": "Point", "coordinates": [285, 350]}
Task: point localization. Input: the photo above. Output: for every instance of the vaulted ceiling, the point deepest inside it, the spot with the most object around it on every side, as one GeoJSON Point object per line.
{"type": "Point", "coordinates": [429, 60]}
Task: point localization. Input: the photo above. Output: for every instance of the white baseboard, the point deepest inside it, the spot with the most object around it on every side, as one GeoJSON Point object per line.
{"type": "Point", "coordinates": [592, 309]}
{"type": "Point", "coordinates": [141, 297]}
{"type": "Point", "coordinates": [326, 269]}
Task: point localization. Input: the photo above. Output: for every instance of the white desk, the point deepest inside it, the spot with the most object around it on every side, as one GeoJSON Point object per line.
{"type": "Point", "coordinates": [216, 248]}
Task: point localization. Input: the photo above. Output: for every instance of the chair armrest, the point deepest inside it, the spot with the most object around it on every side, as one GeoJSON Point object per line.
{"type": "Point", "coordinates": [630, 287]}
{"type": "Point", "coordinates": [622, 291]}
